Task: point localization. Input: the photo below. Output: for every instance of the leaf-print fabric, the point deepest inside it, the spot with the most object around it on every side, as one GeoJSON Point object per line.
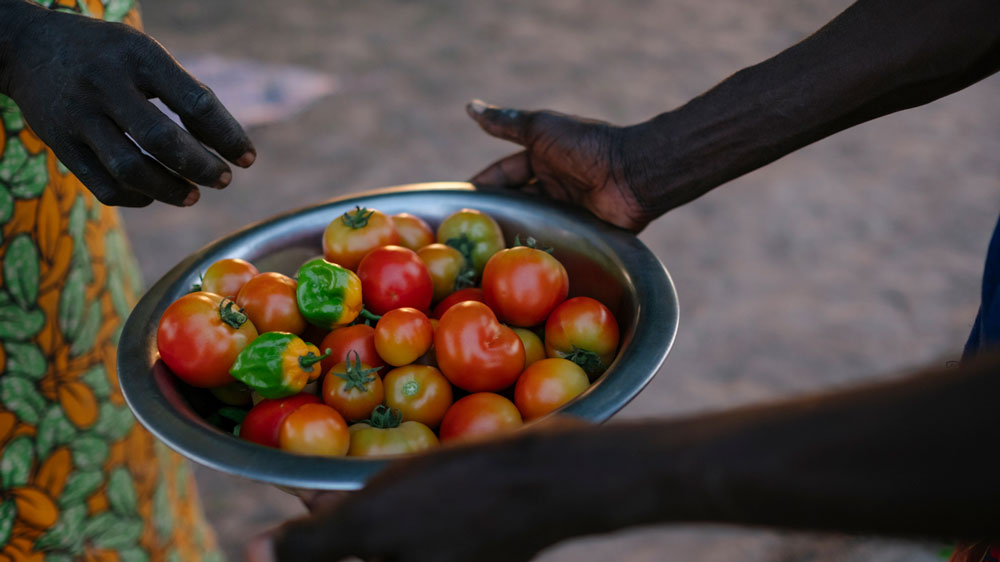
{"type": "Point", "coordinates": [79, 478]}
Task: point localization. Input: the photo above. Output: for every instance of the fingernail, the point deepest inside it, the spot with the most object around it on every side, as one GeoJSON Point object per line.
{"type": "Point", "coordinates": [224, 179]}
{"type": "Point", "coordinates": [478, 106]}
{"type": "Point", "coordinates": [247, 159]}
{"type": "Point", "coordinates": [261, 549]}
{"type": "Point", "coordinates": [192, 197]}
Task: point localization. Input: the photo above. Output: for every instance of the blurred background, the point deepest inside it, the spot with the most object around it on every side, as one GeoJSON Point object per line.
{"type": "Point", "coordinates": [856, 258]}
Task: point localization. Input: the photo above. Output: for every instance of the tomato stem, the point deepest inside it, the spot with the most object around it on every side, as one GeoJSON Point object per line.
{"type": "Point", "coordinates": [197, 286]}
{"type": "Point", "coordinates": [464, 245]}
{"type": "Point", "coordinates": [358, 218]}
{"type": "Point", "coordinates": [234, 318]}
{"type": "Point", "coordinates": [466, 277]}
{"type": "Point", "coordinates": [356, 376]}
{"type": "Point", "coordinates": [309, 359]}
{"type": "Point", "coordinates": [384, 417]}
{"type": "Point", "coordinates": [590, 361]}
{"type": "Point", "coordinates": [532, 243]}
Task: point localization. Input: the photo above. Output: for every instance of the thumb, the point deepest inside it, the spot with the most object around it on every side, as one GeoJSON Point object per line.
{"type": "Point", "coordinates": [504, 123]}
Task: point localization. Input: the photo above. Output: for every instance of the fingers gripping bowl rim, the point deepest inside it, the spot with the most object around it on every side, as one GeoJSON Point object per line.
{"type": "Point", "coordinates": [603, 262]}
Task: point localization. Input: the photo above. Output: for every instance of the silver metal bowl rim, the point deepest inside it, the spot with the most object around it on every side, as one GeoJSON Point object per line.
{"type": "Point", "coordinates": [653, 331]}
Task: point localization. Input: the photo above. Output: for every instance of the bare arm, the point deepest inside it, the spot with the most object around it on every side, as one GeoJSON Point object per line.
{"type": "Point", "coordinates": [877, 57]}
{"type": "Point", "coordinates": [913, 457]}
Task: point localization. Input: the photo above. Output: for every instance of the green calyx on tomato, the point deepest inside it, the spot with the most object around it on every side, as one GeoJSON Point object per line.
{"type": "Point", "coordinates": [590, 361]}
{"type": "Point", "coordinates": [466, 277]}
{"type": "Point", "coordinates": [386, 434]}
{"type": "Point", "coordinates": [464, 245]}
{"type": "Point", "coordinates": [277, 364]}
{"type": "Point", "coordinates": [532, 243]}
{"type": "Point", "coordinates": [232, 318]}
{"type": "Point", "coordinates": [328, 295]}
{"type": "Point", "coordinates": [358, 218]}
{"type": "Point", "coordinates": [355, 375]}
{"type": "Point", "coordinates": [473, 233]}
{"type": "Point", "coordinates": [384, 417]}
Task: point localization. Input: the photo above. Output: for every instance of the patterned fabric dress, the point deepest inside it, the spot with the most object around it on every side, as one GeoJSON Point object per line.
{"type": "Point", "coordinates": [79, 478]}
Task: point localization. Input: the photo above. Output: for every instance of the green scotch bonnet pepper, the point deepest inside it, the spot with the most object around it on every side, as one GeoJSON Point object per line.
{"type": "Point", "coordinates": [328, 295]}
{"type": "Point", "coordinates": [278, 364]}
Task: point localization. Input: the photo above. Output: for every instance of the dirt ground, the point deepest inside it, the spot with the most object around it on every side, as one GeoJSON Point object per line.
{"type": "Point", "coordinates": [856, 258]}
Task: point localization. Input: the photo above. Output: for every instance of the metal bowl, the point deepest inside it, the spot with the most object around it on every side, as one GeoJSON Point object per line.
{"type": "Point", "coordinates": [603, 262]}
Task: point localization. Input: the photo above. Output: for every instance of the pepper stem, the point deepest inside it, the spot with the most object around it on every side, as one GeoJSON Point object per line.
{"type": "Point", "coordinates": [358, 218]}
{"type": "Point", "coordinates": [368, 316]}
{"type": "Point", "coordinates": [384, 417]}
{"type": "Point", "coordinates": [309, 359]}
{"type": "Point", "coordinates": [356, 376]}
{"type": "Point", "coordinates": [234, 318]}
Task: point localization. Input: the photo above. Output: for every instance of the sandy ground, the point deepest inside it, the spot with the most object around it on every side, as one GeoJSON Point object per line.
{"type": "Point", "coordinates": [856, 258]}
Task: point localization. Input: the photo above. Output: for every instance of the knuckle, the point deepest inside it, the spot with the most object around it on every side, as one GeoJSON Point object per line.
{"type": "Point", "coordinates": [106, 195]}
{"type": "Point", "coordinates": [200, 102]}
{"type": "Point", "coordinates": [161, 136]}
{"type": "Point", "coordinates": [126, 167]}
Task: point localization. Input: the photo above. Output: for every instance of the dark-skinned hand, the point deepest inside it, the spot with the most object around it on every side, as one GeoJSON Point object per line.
{"type": "Point", "coordinates": [489, 487]}
{"type": "Point", "coordinates": [582, 161]}
{"type": "Point", "coordinates": [82, 84]}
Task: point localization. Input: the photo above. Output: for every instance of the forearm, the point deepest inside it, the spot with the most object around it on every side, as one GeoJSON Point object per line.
{"type": "Point", "coordinates": [913, 457]}
{"type": "Point", "coordinates": [15, 16]}
{"type": "Point", "coordinates": [877, 57]}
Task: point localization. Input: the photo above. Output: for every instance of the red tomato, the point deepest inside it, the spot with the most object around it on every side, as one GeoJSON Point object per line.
{"type": "Point", "coordinates": [355, 233]}
{"type": "Point", "coordinates": [353, 388]}
{"type": "Point", "coordinates": [263, 422]}
{"type": "Point", "coordinates": [584, 331]}
{"type": "Point", "coordinates": [548, 384]}
{"type": "Point", "coordinates": [269, 300]}
{"type": "Point", "coordinates": [226, 277]}
{"type": "Point", "coordinates": [446, 266]}
{"type": "Point", "coordinates": [402, 335]}
{"type": "Point", "coordinates": [420, 393]}
{"type": "Point", "coordinates": [479, 415]}
{"type": "Point", "coordinates": [359, 338]}
{"type": "Point", "coordinates": [473, 233]}
{"type": "Point", "coordinates": [394, 277]}
{"type": "Point", "coordinates": [534, 349]}
{"type": "Point", "coordinates": [414, 233]}
{"type": "Point", "coordinates": [523, 285]}
{"type": "Point", "coordinates": [315, 429]}
{"type": "Point", "coordinates": [476, 352]}
{"type": "Point", "coordinates": [470, 294]}
{"type": "Point", "coordinates": [199, 337]}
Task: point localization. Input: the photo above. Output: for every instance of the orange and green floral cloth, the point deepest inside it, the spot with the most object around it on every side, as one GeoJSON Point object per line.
{"type": "Point", "coordinates": [79, 478]}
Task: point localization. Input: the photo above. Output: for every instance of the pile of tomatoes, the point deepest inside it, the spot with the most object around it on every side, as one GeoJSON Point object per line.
{"type": "Point", "coordinates": [399, 338]}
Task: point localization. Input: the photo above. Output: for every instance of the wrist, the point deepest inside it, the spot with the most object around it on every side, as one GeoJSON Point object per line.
{"type": "Point", "coordinates": [16, 18]}
{"type": "Point", "coordinates": [620, 475]}
{"type": "Point", "coordinates": [648, 152]}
